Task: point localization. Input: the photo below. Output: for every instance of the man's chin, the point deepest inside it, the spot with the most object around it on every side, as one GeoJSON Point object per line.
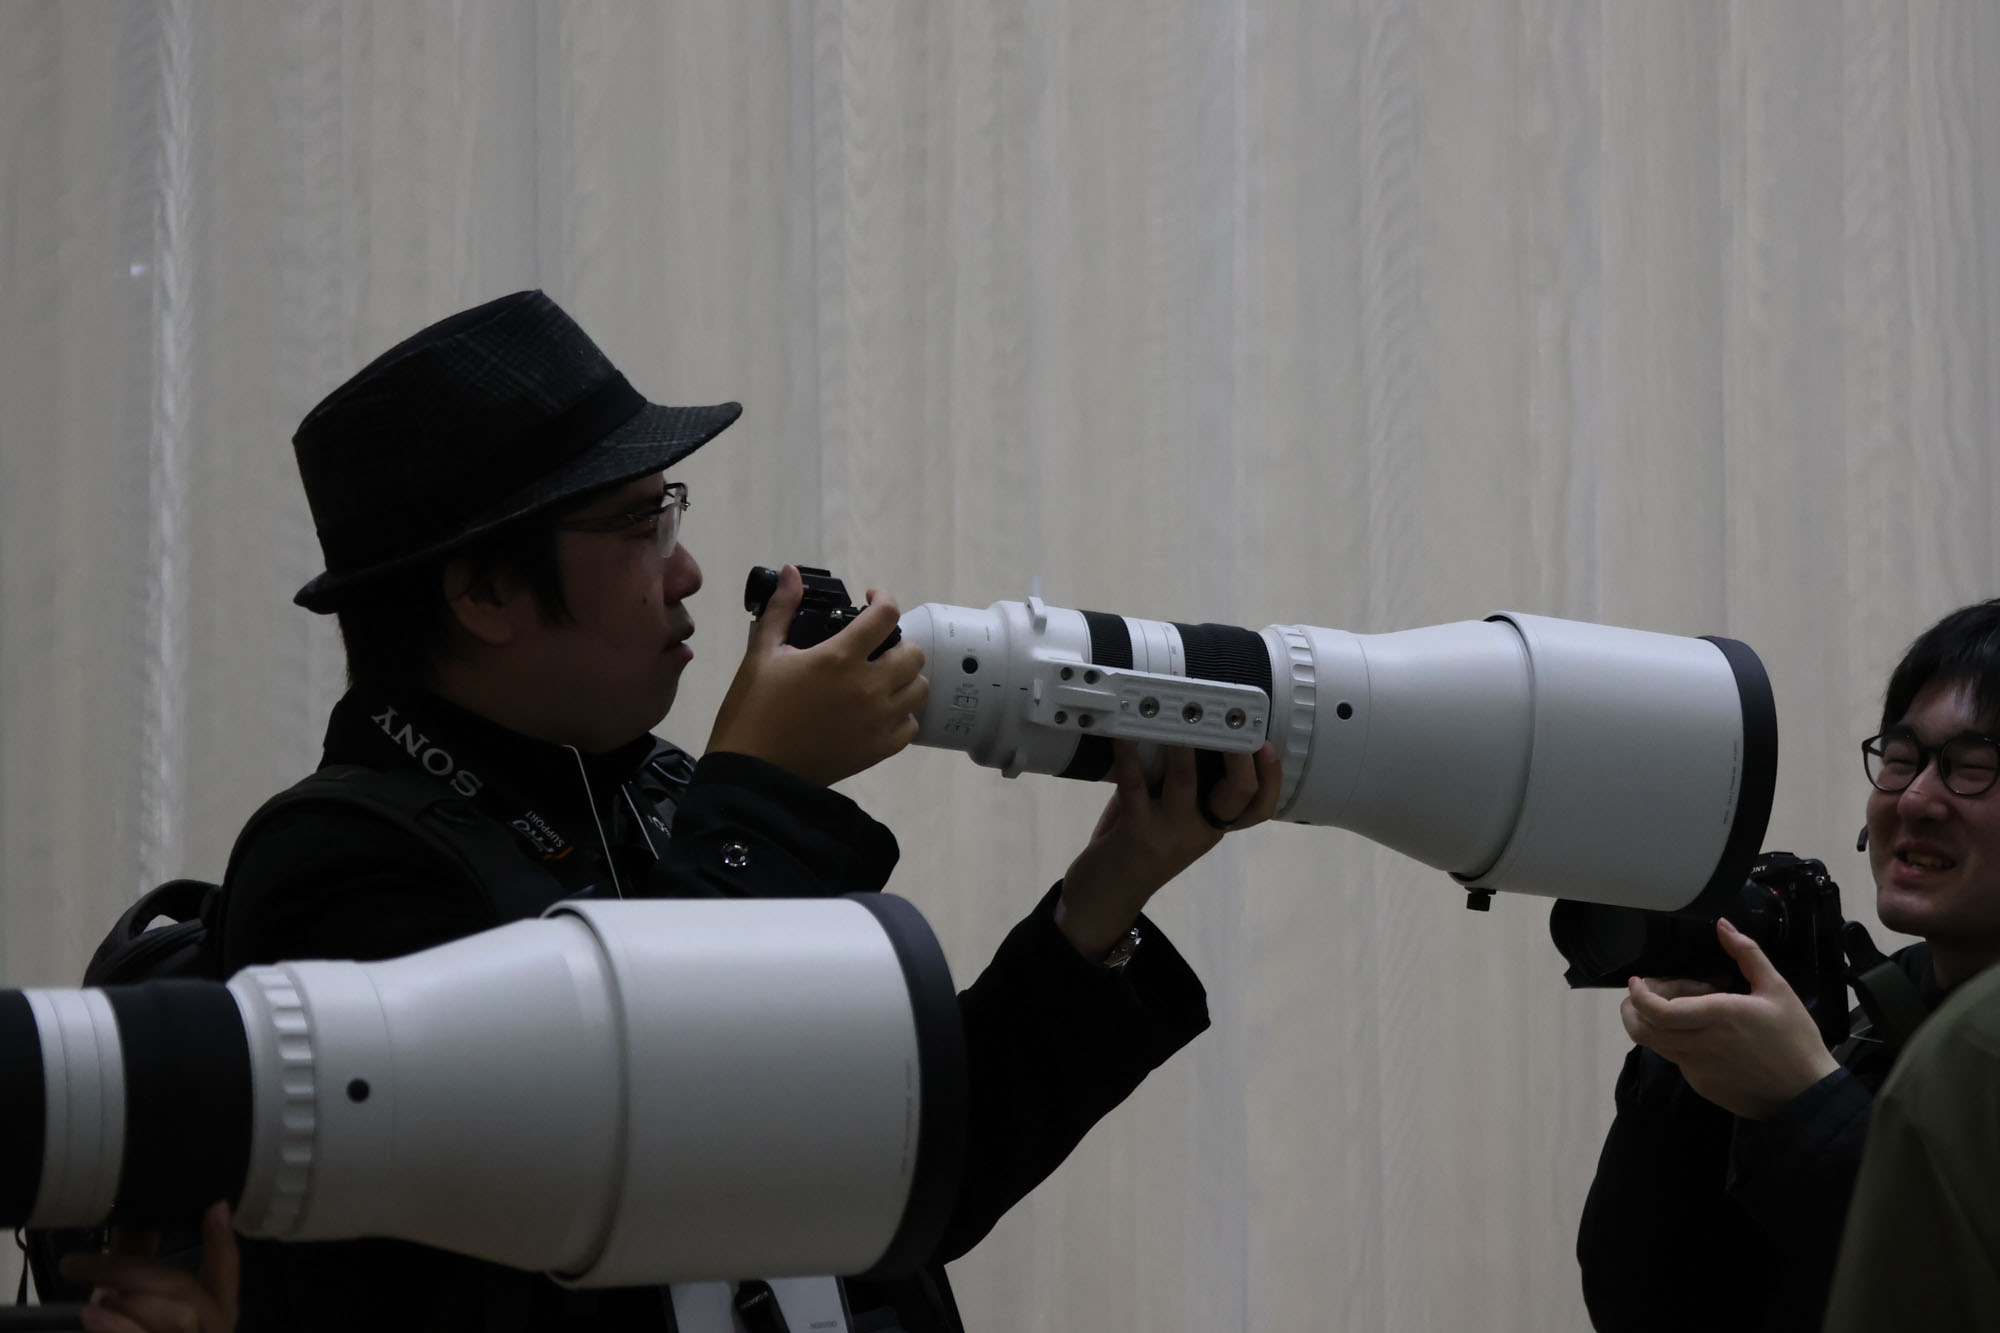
{"type": "Point", "coordinates": [1906, 912]}
{"type": "Point", "coordinates": [666, 705]}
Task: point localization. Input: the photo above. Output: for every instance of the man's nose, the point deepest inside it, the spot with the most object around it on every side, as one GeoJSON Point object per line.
{"type": "Point", "coordinates": [1925, 794]}
{"type": "Point", "coordinates": [683, 575]}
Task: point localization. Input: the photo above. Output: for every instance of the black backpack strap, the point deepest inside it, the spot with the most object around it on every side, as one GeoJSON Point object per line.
{"type": "Point", "coordinates": [1894, 1007]}
{"type": "Point", "coordinates": [130, 952]}
{"type": "Point", "coordinates": [485, 851]}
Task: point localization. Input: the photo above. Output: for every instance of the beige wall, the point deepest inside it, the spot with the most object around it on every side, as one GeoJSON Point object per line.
{"type": "Point", "coordinates": [1674, 315]}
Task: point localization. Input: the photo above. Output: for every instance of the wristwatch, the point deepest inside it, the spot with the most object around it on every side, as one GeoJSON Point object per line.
{"type": "Point", "coordinates": [1121, 952]}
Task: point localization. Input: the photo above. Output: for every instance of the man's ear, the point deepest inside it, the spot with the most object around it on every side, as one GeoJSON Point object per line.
{"type": "Point", "coordinates": [491, 605]}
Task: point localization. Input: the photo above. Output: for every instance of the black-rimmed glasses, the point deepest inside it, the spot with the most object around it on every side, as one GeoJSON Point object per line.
{"type": "Point", "coordinates": [1967, 763]}
{"type": "Point", "coordinates": [662, 515]}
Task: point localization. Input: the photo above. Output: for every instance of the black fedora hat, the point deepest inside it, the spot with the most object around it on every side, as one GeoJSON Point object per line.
{"type": "Point", "coordinates": [485, 417]}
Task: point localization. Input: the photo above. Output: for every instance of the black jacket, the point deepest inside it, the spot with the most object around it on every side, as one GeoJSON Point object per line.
{"type": "Point", "coordinates": [1052, 1041]}
{"type": "Point", "coordinates": [1699, 1220]}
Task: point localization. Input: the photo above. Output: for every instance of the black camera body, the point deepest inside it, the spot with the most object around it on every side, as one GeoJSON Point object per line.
{"type": "Point", "coordinates": [824, 609]}
{"type": "Point", "coordinates": [1789, 905]}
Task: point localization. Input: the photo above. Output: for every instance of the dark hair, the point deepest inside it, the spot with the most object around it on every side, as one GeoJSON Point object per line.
{"type": "Point", "coordinates": [1963, 648]}
{"type": "Point", "coordinates": [398, 627]}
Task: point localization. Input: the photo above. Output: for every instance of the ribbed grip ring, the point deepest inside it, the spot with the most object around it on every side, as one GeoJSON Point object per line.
{"type": "Point", "coordinates": [1303, 683]}
{"type": "Point", "coordinates": [298, 1115]}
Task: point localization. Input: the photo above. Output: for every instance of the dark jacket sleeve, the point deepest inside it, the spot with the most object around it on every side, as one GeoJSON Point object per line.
{"type": "Point", "coordinates": [1794, 1173]}
{"type": "Point", "coordinates": [1053, 1043]}
{"type": "Point", "coordinates": [1699, 1220]}
{"type": "Point", "coordinates": [1660, 1244]}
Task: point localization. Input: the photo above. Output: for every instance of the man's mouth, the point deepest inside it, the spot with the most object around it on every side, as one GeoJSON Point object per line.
{"type": "Point", "coordinates": [1924, 860]}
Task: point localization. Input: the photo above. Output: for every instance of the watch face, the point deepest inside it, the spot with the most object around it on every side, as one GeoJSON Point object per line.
{"type": "Point", "coordinates": [1121, 952]}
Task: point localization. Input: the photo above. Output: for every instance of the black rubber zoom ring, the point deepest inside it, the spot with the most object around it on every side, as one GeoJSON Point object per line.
{"type": "Point", "coordinates": [943, 1083]}
{"type": "Point", "coordinates": [23, 1109]}
{"type": "Point", "coordinates": [187, 1100]}
{"type": "Point", "coordinates": [1110, 640]}
{"type": "Point", "coordinates": [1226, 653]}
{"type": "Point", "coordinates": [1110, 646]}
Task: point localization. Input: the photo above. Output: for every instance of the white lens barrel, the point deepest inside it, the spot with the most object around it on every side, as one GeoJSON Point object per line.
{"type": "Point", "coordinates": [982, 669]}
{"type": "Point", "coordinates": [620, 1093]}
{"type": "Point", "coordinates": [1419, 738]}
{"type": "Point", "coordinates": [83, 1085]}
{"type": "Point", "coordinates": [996, 687]}
{"type": "Point", "coordinates": [773, 1090]}
{"type": "Point", "coordinates": [1652, 765]}
{"type": "Point", "coordinates": [1524, 754]}
{"type": "Point", "coordinates": [1518, 753]}
{"type": "Point", "coordinates": [471, 1096]}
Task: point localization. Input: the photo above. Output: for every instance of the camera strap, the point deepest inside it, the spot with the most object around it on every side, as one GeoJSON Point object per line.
{"type": "Point", "coordinates": [410, 736]}
{"type": "Point", "coordinates": [1891, 1000]}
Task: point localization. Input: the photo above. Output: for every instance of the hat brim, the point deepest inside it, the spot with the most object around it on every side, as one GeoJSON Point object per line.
{"type": "Point", "coordinates": [652, 440]}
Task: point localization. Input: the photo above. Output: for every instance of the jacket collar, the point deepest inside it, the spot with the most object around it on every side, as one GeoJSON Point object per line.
{"type": "Point", "coordinates": [376, 728]}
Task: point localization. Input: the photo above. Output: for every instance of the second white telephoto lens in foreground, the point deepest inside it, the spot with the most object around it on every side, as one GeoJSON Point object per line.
{"type": "Point", "coordinates": [619, 1094]}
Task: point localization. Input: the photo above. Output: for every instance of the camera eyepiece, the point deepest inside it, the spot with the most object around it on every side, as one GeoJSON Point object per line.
{"type": "Point", "coordinates": [759, 588]}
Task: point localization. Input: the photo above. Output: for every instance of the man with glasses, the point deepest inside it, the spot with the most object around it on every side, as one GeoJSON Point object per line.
{"type": "Point", "coordinates": [1726, 1177]}
{"type": "Point", "coordinates": [503, 552]}
{"type": "Point", "coordinates": [1922, 1246]}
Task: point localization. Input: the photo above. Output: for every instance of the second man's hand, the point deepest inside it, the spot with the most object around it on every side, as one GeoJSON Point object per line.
{"type": "Point", "coordinates": [1749, 1054]}
{"type": "Point", "coordinates": [1144, 838]}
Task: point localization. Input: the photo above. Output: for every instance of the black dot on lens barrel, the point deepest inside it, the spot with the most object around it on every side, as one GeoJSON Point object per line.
{"type": "Point", "coordinates": [357, 1091]}
{"type": "Point", "coordinates": [970, 666]}
{"type": "Point", "coordinates": [1344, 711]}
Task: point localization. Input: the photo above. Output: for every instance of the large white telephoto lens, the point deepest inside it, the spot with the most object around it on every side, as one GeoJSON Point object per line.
{"type": "Point", "coordinates": [617, 1094]}
{"type": "Point", "coordinates": [1518, 753]}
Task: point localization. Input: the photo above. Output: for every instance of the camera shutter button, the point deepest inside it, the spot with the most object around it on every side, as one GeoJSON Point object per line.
{"type": "Point", "coordinates": [735, 856]}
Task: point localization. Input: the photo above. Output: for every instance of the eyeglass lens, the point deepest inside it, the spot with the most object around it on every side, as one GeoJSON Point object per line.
{"type": "Point", "coordinates": [1968, 764]}
{"type": "Point", "coordinates": [668, 529]}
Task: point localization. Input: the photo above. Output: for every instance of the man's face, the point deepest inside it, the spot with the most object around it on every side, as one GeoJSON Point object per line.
{"type": "Point", "coordinates": [1936, 854]}
{"type": "Point", "coordinates": [620, 656]}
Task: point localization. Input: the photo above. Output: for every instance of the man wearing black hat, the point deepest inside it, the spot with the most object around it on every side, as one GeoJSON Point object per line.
{"type": "Point", "coordinates": [503, 553]}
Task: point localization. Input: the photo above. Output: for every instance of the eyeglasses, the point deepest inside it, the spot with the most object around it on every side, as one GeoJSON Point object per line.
{"type": "Point", "coordinates": [660, 519]}
{"type": "Point", "coordinates": [1967, 763]}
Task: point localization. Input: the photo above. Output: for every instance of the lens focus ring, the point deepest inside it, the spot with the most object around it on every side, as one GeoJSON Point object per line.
{"type": "Point", "coordinates": [1302, 686]}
